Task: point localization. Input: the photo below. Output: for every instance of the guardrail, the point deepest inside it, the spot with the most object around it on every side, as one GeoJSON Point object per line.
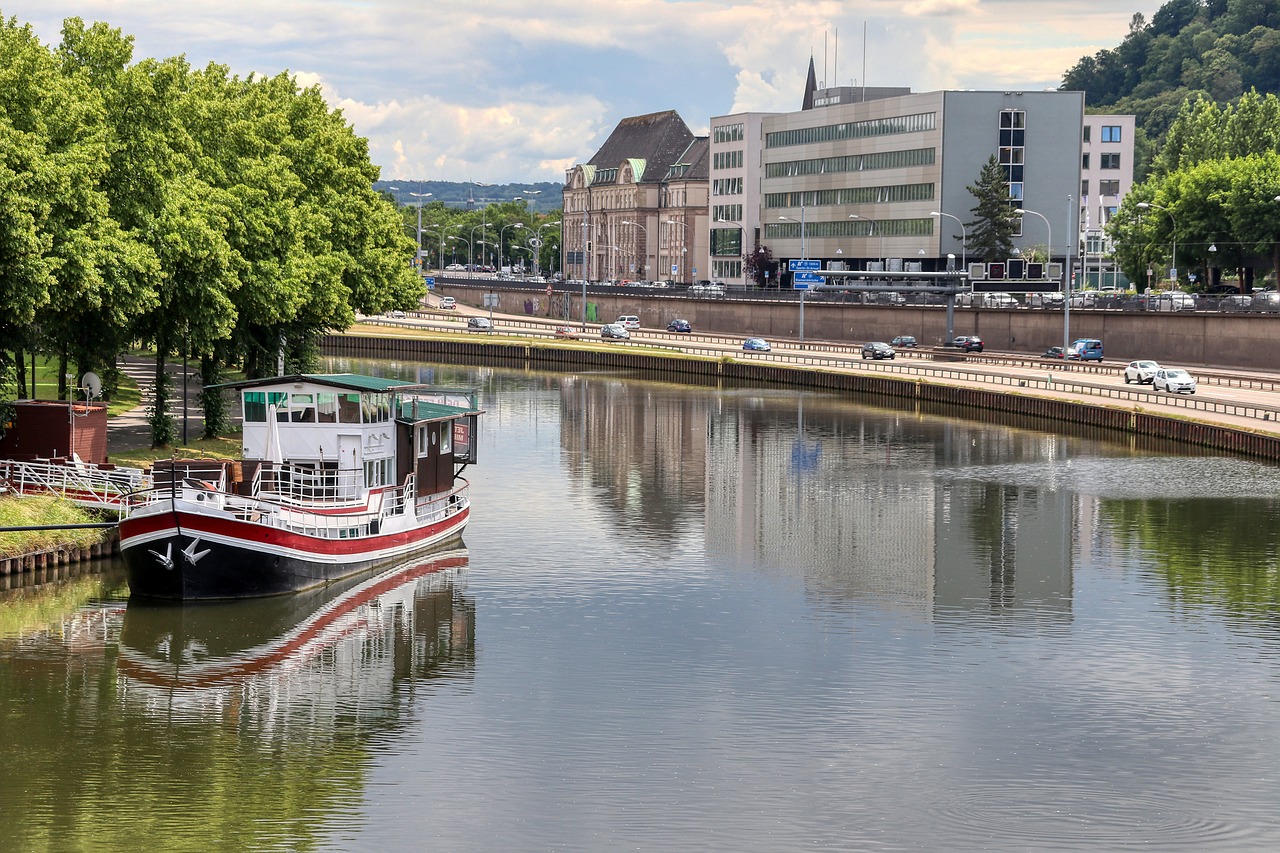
{"type": "Point", "coordinates": [828, 355]}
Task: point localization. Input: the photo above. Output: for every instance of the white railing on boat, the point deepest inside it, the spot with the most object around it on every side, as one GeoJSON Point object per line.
{"type": "Point", "coordinates": [82, 483]}
{"type": "Point", "coordinates": [305, 517]}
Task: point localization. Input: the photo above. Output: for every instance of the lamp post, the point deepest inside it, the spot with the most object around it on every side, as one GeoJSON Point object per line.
{"type": "Point", "coordinates": [537, 255]}
{"type": "Point", "coordinates": [1173, 261]}
{"type": "Point", "coordinates": [441, 232]}
{"type": "Point", "coordinates": [420, 197]}
{"type": "Point", "coordinates": [681, 268]}
{"type": "Point", "coordinates": [875, 231]}
{"type": "Point", "coordinates": [501, 242]}
{"type": "Point", "coordinates": [804, 255]}
{"type": "Point", "coordinates": [1066, 293]}
{"type": "Point", "coordinates": [645, 265]}
{"type": "Point", "coordinates": [964, 238]}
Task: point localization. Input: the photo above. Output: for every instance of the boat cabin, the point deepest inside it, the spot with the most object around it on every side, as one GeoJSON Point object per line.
{"type": "Point", "coordinates": [339, 434]}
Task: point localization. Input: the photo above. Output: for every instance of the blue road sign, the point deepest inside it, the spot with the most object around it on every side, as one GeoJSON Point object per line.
{"type": "Point", "coordinates": [430, 281]}
{"type": "Point", "coordinates": [813, 264]}
{"type": "Point", "coordinates": [802, 280]}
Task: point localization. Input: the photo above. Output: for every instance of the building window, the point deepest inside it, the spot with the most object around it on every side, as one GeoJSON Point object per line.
{"type": "Point", "coordinates": [1108, 188]}
{"type": "Point", "coordinates": [728, 133]}
{"type": "Point", "coordinates": [1087, 128]}
{"type": "Point", "coordinates": [727, 159]}
{"type": "Point", "coordinates": [1013, 119]}
{"type": "Point", "coordinates": [1111, 133]}
{"type": "Point", "coordinates": [1084, 161]}
{"type": "Point", "coordinates": [1084, 189]}
{"type": "Point", "coordinates": [1110, 161]}
{"type": "Point", "coordinates": [851, 130]}
{"type": "Point", "coordinates": [726, 213]}
{"type": "Point", "coordinates": [851, 163]}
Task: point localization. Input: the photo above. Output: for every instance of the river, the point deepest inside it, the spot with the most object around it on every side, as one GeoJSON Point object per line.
{"type": "Point", "coordinates": [699, 618]}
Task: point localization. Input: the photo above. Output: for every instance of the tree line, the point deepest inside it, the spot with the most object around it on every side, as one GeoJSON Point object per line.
{"type": "Point", "coordinates": [205, 216]}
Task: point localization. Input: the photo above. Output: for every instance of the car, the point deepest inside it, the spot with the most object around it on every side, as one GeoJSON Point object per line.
{"type": "Point", "coordinates": [1085, 349]}
{"type": "Point", "coordinates": [566, 332]}
{"type": "Point", "coordinates": [904, 341]}
{"type": "Point", "coordinates": [629, 321]}
{"type": "Point", "coordinates": [679, 326]}
{"type": "Point", "coordinates": [968, 343]}
{"type": "Point", "coordinates": [756, 345]}
{"type": "Point", "coordinates": [615, 331]}
{"type": "Point", "coordinates": [877, 349]}
{"type": "Point", "coordinates": [1045, 299]}
{"type": "Point", "coordinates": [1052, 352]}
{"type": "Point", "coordinates": [396, 315]}
{"type": "Point", "coordinates": [1235, 302]}
{"type": "Point", "coordinates": [1174, 380]}
{"type": "Point", "coordinates": [1142, 372]}
{"type": "Point", "coordinates": [481, 324]}
{"type": "Point", "coordinates": [455, 268]}
{"type": "Point", "coordinates": [448, 303]}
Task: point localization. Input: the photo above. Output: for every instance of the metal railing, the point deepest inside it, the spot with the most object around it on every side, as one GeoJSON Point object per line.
{"type": "Point", "coordinates": [81, 483]}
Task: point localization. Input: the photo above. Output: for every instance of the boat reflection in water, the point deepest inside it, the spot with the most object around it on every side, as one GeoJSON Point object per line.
{"type": "Point", "coordinates": [337, 651]}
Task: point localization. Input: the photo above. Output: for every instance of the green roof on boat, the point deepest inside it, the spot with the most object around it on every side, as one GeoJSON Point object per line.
{"type": "Point", "coordinates": [350, 381]}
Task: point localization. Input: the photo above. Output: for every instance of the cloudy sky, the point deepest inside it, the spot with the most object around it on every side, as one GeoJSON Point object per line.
{"type": "Point", "coordinates": [509, 91]}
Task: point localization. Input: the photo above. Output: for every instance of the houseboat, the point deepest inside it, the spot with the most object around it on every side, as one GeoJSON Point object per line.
{"type": "Point", "coordinates": [341, 474]}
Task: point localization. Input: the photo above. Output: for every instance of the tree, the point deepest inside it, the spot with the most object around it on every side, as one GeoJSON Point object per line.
{"type": "Point", "coordinates": [992, 228]}
{"type": "Point", "coordinates": [760, 266]}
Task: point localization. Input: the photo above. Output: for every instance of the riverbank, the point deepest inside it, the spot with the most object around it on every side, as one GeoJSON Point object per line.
{"type": "Point", "coordinates": [1048, 407]}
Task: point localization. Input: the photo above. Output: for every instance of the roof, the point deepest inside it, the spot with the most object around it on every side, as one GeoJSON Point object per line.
{"type": "Point", "coordinates": [657, 140]}
{"type": "Point", "coordinates": [693, 163]}
{"type": "Point", "coordinates": [348, 381]}
{"type": "Point", "coordinates": [418, 411]}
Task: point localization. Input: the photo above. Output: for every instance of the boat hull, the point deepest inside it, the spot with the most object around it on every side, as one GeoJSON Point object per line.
{"type": "Point", "coordinates": [187, 555]}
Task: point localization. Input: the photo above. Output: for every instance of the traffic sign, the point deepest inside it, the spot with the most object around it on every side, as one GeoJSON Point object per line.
{"type": "Point", "coordinates": [813, 264]}
{"type": "Point", "coordinates": [535, 242]}
{"type": "Point", "coordinates": [430, 281]}
{"type": "Point", "coordinates": [802, 280]}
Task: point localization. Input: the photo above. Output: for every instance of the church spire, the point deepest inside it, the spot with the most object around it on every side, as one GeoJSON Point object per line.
{"type": "Point", "coordinates": [810, 86]}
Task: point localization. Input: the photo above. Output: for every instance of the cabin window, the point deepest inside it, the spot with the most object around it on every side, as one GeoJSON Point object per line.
{"type": "Point", "coordinates": [377, 472]}
{"type": "Point", "coordinates": [327, 408]}
{"type": "Point", "coordinates": [422, 440]}
{"type": "Point", "coordinates": [255, 407]}
{"type": "Point", "coordinates": [349, 408]}
{"type": "Point", "coordinates": [446, 438]}
{"type": "Point", "coordinates": [280, 400]}
{"type": "Point", "coordinates": [302, 408]}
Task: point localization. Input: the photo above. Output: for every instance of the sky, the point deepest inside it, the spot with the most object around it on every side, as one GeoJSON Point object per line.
{"type": "Point", "coordinates": [512, 91]}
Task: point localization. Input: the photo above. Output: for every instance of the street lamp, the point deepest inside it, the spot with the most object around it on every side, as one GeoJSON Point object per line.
{"type": "Point", "coordinates": [645, 265]}
{"type": "Point", "coordinates": [1173, 266]}
{"type": "Point", "coordinates": [1066, 291]}
{"type": "Point", "coordinates": [804, 255]}
{"type": "Point", "coordinates": [420, 197]}
{"type": "Point", "coordinates": [501, 242]}
{"type": "Point", "coordinates": [441, 232]}
{"type": "Point", "coordinates": [537, 256]}
{"type": "Point", "coordinates": [964, 238]}
{"type": "Point", "coordinates": [875, 231]}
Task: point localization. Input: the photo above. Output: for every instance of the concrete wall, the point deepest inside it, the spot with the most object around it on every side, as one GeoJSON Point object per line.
{"type": "Point", "coordinates": [1248, 341]}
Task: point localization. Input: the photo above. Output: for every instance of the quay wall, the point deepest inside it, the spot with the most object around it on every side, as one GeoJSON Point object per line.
{"type": "Point", "coordinates": [1188, 339]}
{"type": "Point", "coordinates": [1045, 412]}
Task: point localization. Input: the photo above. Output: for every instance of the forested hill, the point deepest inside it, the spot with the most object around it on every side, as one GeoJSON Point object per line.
{"type": "Point", "coordinates": [1215, 48]}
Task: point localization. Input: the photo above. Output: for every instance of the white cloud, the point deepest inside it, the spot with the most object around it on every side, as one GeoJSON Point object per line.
{"type": "Point", "coordinates": [513, 90]}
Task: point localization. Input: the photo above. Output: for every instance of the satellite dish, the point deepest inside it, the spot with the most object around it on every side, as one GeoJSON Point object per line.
{"type": "Point", "coordinates": [91, 385]}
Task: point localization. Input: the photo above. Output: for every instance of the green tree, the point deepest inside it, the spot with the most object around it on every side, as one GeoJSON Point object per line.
{"type": "Point", "coordinates": [992, 227]}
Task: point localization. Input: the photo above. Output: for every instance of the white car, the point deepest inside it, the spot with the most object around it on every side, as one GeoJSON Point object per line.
{"type": "Point", "coordinates": [1141, 372]}
{"type": "Point", "coordinates": [630, 322]}
{"type": "Point", "coordinates": [448, 303]}
{"type": "Point", "coordinates": [455, 268]}
{"type": "Point", "coordinates": [1174, 380]}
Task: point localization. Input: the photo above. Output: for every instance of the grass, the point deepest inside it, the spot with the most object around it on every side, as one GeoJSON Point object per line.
{"type": "Point", "coordinates": [31, 511]}
{"type": "Point", "coordinates": [127, 396]}
{"type": "Point", "coordinates": [223, 447]}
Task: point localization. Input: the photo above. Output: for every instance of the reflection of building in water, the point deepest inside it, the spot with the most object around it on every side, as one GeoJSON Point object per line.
{"type": "Point", "coordinates": [640, 445]}
{"type": "Point", "coordinates": [1005, 528]}
{"type": "Point", "coordinates": [922, 510]}
{"type": "Point", "coordinates": [301, 661]}
{"type": "Point", "coordinates": [815, 487]}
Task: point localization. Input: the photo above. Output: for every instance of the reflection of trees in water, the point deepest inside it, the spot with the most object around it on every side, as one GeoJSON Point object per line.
{"type": "Point", "coordinates": [1209, 551]}
{"type": "Point", "coordinates": [261, 754]}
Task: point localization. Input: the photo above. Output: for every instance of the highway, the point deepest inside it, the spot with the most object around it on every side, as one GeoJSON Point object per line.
{"type": "Point", "coordinates": [1244, 399]}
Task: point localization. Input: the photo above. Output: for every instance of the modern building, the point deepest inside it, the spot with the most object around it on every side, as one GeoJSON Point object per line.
{"type": "Point", "coordinates": [878, 178]}
{"type": "Point", "coordinates": [1106, 176]}
{"type": "Point", "coordinates": [638, 208]}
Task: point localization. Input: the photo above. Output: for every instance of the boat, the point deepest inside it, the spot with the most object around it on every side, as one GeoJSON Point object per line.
{"type": "Point", "coordinates": [341, 474]}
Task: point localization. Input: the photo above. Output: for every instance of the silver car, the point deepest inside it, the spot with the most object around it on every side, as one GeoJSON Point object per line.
{"type": "Point", "coordinates": [1174, 380]}
{"type": "Point", "coordinates": [1141, 372]}
{"type": "Point", "coordinates": [614, 331]}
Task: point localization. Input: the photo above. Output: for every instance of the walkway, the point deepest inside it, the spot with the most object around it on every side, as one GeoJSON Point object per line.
{"type": "Point", "coordinates": [131, 431]}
